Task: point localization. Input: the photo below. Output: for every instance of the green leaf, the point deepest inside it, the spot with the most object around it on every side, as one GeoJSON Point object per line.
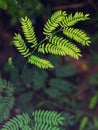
{"type": "Point", "coordinates": [60, 87]}
{"type": "Point", "coordinates": [48, 118]}
{"type": "Point", "coordinates": [83, 123]}
{"type": "Point", "coordinates": [28, 76]}
{"type": "Point", "coordinates": [3, 4]}
{"type": "Point", "coordinates": [39, 78]}
{"type": "Point", "coordinates": [24, 102]}
{"type": "Point", "coordinates": [60, 84]}
{"type": "Point", "coordinates": [95, 120]}
{"type": "Point", "coordinates": [94, 101]}
{"type": "Point", "coordinates": [12, 2]}
{"type": "Point", "coordinates": [54, 93]}
{"type": "Point", "coordinates": [65, 71]}
{"type": "Point", "coordinates": [93, 79]}
{"type": "Point", "coordinates": [55, 60]}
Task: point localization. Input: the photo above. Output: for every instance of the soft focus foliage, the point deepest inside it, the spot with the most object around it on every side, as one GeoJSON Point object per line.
{"type": "Point", "coordinates": [71, 86]}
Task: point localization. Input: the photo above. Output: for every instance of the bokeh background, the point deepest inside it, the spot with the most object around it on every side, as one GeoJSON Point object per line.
{"type": "Point", "coordinates": [72, 86]}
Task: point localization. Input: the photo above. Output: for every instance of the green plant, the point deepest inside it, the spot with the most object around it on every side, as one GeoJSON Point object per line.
{"type": "Point", "coordinates": [93, 101]}
{"type": "Point", "coordinates": [53, 43]}
{"type": "Point", "coordinates": [88, 122]}
{"type": "Point", "coordinates": [40, 119]}
{"type": "Point", "coordinates": [35, 8]}
{"type": "Point", "coordinates": [6, 99]}
{"type": "Point", "coordinates": [59, 22]}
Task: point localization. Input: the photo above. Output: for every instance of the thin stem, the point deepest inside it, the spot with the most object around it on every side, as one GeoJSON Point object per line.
{"type": "Point", "coordinates": [23, 69]}
{"type": "Point", "coordinates": [42, 41]}
{"type": "Point", "coordinates": [36, 48]}
{"type": "Point", "coordinates": [27, 62]}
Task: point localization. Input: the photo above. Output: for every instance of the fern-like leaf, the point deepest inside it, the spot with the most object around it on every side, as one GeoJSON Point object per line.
{"type": "Point", "coordinates": [20, 45]}
{"type": "Point", "coordinates": [29, 32]}
{"type": "Point", "coordinates": [66, 46]}
{"type": "Point", "coordinates": [6, 104]}
{"type": "Point", "coordinates": [51, 48]}
{"type": "Point", "coordinates": [71, 20]}
{"type": "Point", "coordinates": [54, 22]}
{"type": "Point", "coordinates": [26, 127]}
{"type": "Point", "coordinates": [44, 126]}
{"type": "Point", "coordinates": [17, 123]}
{"type": "Point", "coordinates": [48, 117]}
{"type": "Point", "coordinates": [4, 84]}
{"type": "Point", "coordinates": [41, 63]}
{"type": "Point", "coordinates": [68, 119]}
{"type": "Point", "coordinates": [58, 22]}
{"type": "Point", "coordinates": [41, 120]}
{"type": "Point", "coordinates": [78, 35]}
{"type": "Point", "coordinates": [6, 99]}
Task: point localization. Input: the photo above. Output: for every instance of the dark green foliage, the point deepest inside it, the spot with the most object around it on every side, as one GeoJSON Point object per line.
{"type": "Point", "coordinates": [65, 71]}
{"type": "Point", "coordinates": [6, 105]}
{"type": "Point", "coordinates": [93, 79]}
{"type": "Point", "coordinates": [68, 119]}
{"type": "Point", "coordinates": [24, 102]}
{"type": "Point", "coordinates": [58, 88]}
{"type": "Point", "coordinates": [4, 3]}
{"type": "Point", "coordinates": [27, 79]}
{"type": "Point", "coordinates": [39, 78]}
{"type": "Point", "coordinates": [88, 124]}
{"type": "Point", "coordinates": [56, 44]}
{"type": "Point", "coordinates": [93, 101]}
{"type": "Point", "coordinates": [17, 8]}
{"type": "Point", "coordinates": [7, 101]}
{"type": "Point", "coordinates": [4, 84]}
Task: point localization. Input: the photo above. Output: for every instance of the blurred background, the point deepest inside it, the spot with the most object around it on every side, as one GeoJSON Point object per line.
{"type": "Point", "coordinates": [72, 86]}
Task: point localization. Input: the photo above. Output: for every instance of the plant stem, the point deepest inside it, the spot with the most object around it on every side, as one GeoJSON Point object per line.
{"type": "Point", "coordinates": [36, 48]}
